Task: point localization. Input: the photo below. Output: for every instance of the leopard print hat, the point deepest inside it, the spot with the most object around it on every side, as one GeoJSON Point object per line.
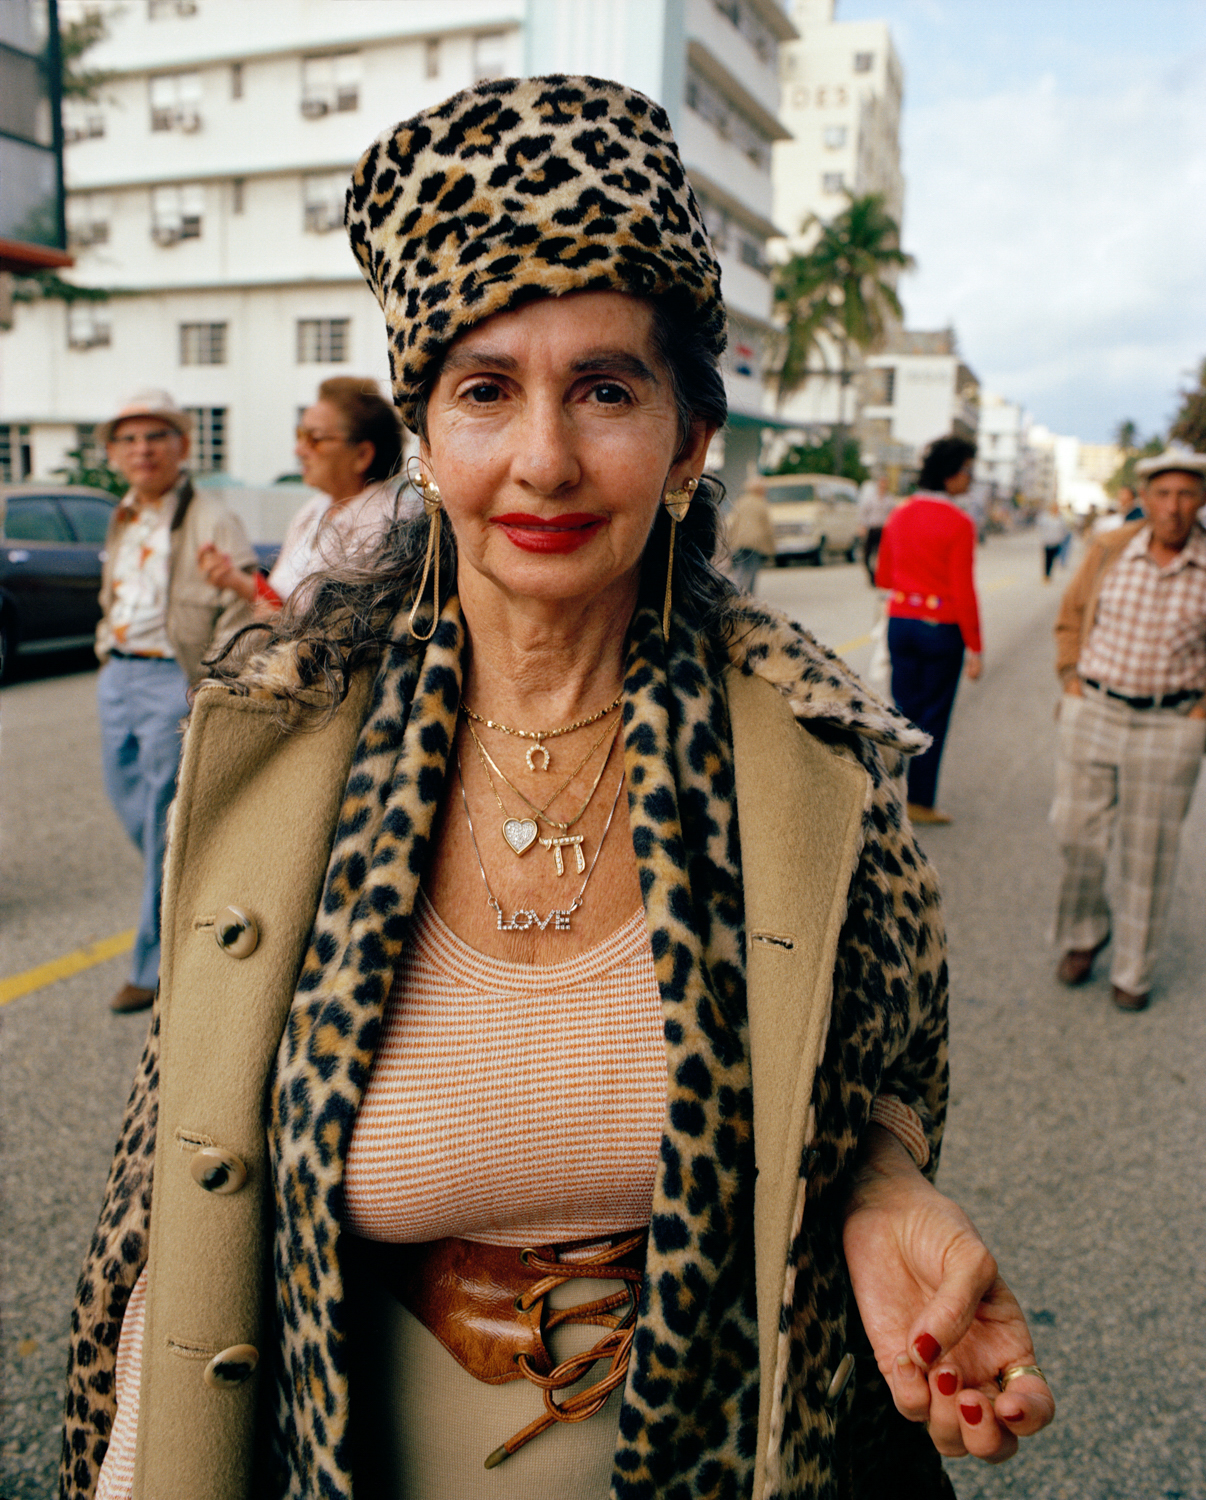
{"type": "Point", "coordinates": [520, 188]}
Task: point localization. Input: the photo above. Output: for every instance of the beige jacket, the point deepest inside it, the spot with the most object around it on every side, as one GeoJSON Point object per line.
{"type": "Point", "coordinates": [238, 840]}
{"type": "Point", "coordinates": [198, 615]}
{"type": "Point", "coordinates": [1078, 607]}
{"type": "Point", "coordinates": [749, 525]}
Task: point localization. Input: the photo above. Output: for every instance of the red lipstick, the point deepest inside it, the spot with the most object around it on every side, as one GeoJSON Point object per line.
{"type": "Point", "coordinates": [565, 533]}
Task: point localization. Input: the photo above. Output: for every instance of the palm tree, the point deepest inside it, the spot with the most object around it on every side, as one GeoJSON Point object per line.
{"type": "Point", "coordinates": [838, 290]}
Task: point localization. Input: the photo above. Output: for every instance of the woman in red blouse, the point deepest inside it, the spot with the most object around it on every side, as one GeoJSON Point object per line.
{"type": "Point", "coordinates": [925, 564]}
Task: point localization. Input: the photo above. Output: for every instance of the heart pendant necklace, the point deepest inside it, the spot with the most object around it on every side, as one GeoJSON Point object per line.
{"type": "Point", "coordinates": [520, 833]}
{"type": "Point", "coordinates": [523, 919]}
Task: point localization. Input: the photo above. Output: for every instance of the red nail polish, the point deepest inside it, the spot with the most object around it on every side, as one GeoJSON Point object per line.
{"type": "Point", "coordinates": [948, 1384]}
{"type": "Point", "coordinates": [927, 1347]}
{"type": "Point", "coordinates": [972, 1414]}
{"type": "Point", "coordinates": [1013, 1416]}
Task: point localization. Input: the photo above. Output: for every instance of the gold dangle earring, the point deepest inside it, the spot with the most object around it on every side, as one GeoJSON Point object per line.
{"type": "Point", "coordinates": [677, 502]}
{"type": "Point", "coordinates": [429, 490]}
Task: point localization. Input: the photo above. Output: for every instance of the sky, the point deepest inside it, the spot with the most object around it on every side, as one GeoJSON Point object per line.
{"type": "Point", "coordinates": [1055, 163]}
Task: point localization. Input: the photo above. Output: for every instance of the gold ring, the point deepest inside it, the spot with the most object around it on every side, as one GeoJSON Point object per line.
{"type": "Point", "coordinates": [1014, 1371]}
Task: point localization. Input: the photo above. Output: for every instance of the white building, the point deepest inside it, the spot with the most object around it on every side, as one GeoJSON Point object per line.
{"type": "Point", "coordinates": [1001, 441]}
{"type": "Point", "coordinates": [841, 88]}
{"type": "Point", "coordinates": [206, 193]}
{"type": "Point", "coordinates": [916, 391]}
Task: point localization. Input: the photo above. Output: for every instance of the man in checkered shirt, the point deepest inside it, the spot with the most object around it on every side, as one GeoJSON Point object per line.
{"type": "Point", "coordinates": [1131, 654]}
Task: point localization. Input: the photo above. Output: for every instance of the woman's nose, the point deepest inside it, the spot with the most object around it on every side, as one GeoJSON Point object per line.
{"type": "Point", "coordinates": [546, 453]}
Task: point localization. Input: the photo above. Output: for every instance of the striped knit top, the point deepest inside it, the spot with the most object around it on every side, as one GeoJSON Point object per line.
{"type": "Point", "coordinates": [511, 1103]}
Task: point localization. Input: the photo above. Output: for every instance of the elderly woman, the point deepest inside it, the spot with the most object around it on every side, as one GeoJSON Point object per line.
{"type": "Point", "coordinates": [350, 445]}
{"type": "Point", "coordinates": [556, 1107]}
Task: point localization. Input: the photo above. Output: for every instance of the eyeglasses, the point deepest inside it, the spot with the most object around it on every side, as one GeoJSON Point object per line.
{"type": "Point", "coordinates": [128, 439]}
{"type": "Point", "coordinates": [315, 439]}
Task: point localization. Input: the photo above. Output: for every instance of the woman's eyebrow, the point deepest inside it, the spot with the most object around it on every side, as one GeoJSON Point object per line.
{"type": "Point", "coordinates": [478, 356]}
{"type": "Point", "coordinates": [615, 362]}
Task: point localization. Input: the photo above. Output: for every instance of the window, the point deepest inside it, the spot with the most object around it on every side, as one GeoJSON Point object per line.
{"type": "Point", "coordinates": [716, 221]}
{"type": "Point", "coordinates": [835, 136]}
{"type": "Point", "coordinates": [89, 518]}
{"type": "Point", "coordinates": [176, 213]}
{"type": "Point", "coordinates": [833, 182]}
{"type": "Point", "coordinates": [323, 341]}
{"type": "Point", "coordinates": [236, 80]}
{"type": "Point", "coordinates": [237, 186]}
{"type": "Point", "coordinates": [208, 452]}
{"type": "Point", "coordinates": [864, 62]}
{"type": "Point", "coordinates": [431, 58]}
{"type": "Point", "coordinates": [81, 121]}
{"type": "Point", "coordinates": [330, 84]}
{"type": "Point", "coordinates": [203, 343]}
{"type": "Point", "coordinates": [85, 329]}
{"type": "Point", "coordinates": [489, 55]}
{"type": "Point", "coordinates": [750, 26]}
{"type": "Point", "coordinates": [6, 451]}
{"type": "Point", "coordinates": [34, 519]}
{"type": "Point", "coordinates": [87, 220]}
{"type": "Point", "coordinates": [176, 101]}
{"type": "Point", "coordinates": [323, 198]}
{"type": "Point", "coordinates": [164, 10]}
{"type": "Point", "coordinates": [752, 256]}
{"type": "Point", "coordinates": [881, 385]}
{"type": "Point", "coordinates": [728, 122]}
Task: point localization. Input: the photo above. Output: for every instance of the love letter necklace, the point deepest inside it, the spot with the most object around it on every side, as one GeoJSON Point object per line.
{"type": "Point", "coordinates": [525, 917]}
{"type": "Point", "coordinates": [540, 735]}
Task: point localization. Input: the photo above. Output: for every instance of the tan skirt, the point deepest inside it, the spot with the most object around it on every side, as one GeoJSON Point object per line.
{"type": "Point", "coordinates": [422, 1426]}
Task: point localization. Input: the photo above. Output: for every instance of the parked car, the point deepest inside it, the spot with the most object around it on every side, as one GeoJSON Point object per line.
{"type": "Point", "coordinates": [51, 539]}
{"type": "Point", "coordinates": [813, 514]}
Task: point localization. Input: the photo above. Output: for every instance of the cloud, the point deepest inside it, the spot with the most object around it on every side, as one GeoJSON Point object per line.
{"type": "Point", "coordinates": [1061, 234]}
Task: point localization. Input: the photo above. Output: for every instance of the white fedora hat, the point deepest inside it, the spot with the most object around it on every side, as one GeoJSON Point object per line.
{"type": "Point", "coordinates": [1175, 457]}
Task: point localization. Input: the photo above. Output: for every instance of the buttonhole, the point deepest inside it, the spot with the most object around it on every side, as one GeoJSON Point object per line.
{"type": "Point", "coordinates": [774, 939]}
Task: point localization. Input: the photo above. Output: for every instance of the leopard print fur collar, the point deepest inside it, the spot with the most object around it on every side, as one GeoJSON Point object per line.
{"type": "Point", "coordinates": [690, 1407]}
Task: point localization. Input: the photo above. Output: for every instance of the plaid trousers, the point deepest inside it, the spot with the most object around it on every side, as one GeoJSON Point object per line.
{"type": "Point", "coordinates": [1130, 771]}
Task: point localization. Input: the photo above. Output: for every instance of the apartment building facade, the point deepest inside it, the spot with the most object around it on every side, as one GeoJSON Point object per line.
{"type": "Point", "coordinates": [918, 389]}
{"type": "Point", "coordinates": [841, 92]}
{"type": "Point", "coordinates": [206, 184]}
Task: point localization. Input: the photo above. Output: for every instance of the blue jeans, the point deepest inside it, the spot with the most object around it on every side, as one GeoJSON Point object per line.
{"type": "Point", "coordinates": [141, 703]}
{"type": "Point", "coordinates": [926, 662]}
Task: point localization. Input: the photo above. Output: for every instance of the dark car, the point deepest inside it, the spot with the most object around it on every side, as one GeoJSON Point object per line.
{"type": "Point", "coordinates": [51, 540]}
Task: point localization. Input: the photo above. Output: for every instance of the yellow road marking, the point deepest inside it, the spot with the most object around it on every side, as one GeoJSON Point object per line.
{"type": "Point", "coordinates": [859, 640]}
{"type": "Point", "coordinates": [17, 985]}
{"type": "Point", "coordinates": [1001, 583]}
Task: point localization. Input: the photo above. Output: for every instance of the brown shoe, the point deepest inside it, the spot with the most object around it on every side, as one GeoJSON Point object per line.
{"type": "Point", "coordinates": [920, 814]}
{"type": "Point", "coordinates": [131, 997]}
{"type": "Point", "coordinates": [1077, 964]}
{"type": "Point", "coordinates": [1124, 1000]}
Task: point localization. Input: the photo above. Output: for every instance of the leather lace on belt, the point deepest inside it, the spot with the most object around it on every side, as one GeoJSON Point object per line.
{"type": "Point", "coordinates": [487, 1305]}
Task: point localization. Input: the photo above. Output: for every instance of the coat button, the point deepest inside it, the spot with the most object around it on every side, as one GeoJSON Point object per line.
{"type": "Point", "coordinates": [217, 1170]}
{"type": "Point", "coordinates": [841, 1378]}
{"type": "Point", "coordinates": [232, 1367]}
{"type": "Point", "coordinates": [236, 932]}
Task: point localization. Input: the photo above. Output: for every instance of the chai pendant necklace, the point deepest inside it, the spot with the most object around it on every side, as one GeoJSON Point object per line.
{"type": "Point", "coordinates": [525, 917]}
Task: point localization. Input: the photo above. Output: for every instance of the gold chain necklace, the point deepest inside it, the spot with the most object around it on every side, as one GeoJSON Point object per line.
{"type": "Point", "coordinates": [540, 735]}
{"type": "Point", "coordinates": [520, 834]}
{"type": "Point", "coordinates": [526, 917]}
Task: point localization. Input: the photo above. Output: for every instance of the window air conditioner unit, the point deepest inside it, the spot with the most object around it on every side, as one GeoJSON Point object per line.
{"type": "Point", "coordinates": [73, 133]}
{"type": "Point", "coordinates": [186, 7]}
{"type": "Point", "coordinates": [166, 234]}
{"type": "Point", "coordinates": [188, 120]}
{"type": "Point", "coordinates": [313, 108]}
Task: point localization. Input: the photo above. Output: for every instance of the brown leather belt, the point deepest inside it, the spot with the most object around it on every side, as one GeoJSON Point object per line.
{"type": "Point", "coordinates": [487, 1305]}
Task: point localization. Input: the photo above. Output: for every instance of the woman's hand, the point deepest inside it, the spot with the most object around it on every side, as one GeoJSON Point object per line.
{"type": "Point", "coordinates": [942, 1323]}
{"type": "Point", "coordinates": [221, 573]}
{"type": "Point", "coordinates": [973, 665]}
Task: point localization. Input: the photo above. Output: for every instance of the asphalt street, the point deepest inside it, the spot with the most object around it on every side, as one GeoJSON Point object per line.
{"type": "Point", "coordinates": [1076, 1135]}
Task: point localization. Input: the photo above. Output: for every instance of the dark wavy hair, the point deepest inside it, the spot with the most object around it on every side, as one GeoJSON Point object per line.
{"type": "Point", "coordinates": [942, 460]}
{"type": "Point", "coordinates": [346, 621]}
{"type": "Point", "coordinates": [369, 418]}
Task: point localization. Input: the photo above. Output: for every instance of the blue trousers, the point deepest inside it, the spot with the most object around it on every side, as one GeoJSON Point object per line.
{"type": "Point", "coordinates": [141, 703]}
{"type": "Point", "coordinates": [926, 663]}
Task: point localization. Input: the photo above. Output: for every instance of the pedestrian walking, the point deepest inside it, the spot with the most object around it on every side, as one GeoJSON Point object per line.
{"type": "Point", "coordinates": [926, 564]}
{"type": "Point", "coordinates": [159, 618]}
{"type": "Point", "coordinates": [875, 504]}
{"type": "Point", "coordinates": [1131, 654]}
{"type": "Point", "coordinates": [565, 1165]}
{"type": "Point", "coordinates": [750, 534]}
{"type": "Point", "coordinates": [349, 443]}
{"type": "Point", "coordinates": [1053, 533]}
